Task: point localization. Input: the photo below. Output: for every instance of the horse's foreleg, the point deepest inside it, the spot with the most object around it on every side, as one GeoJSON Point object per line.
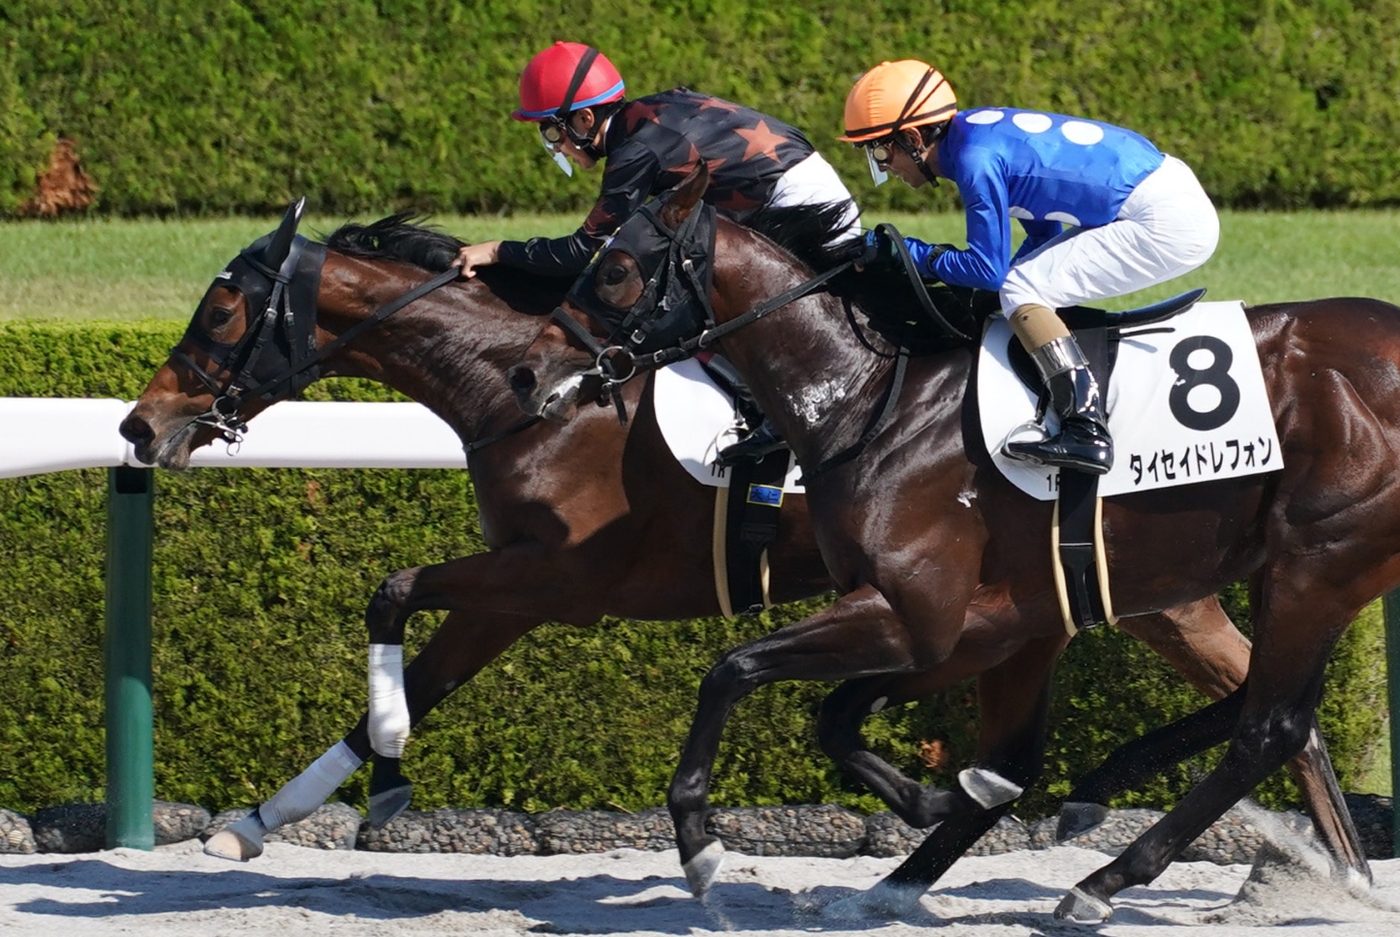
{"type": "Point", "coordinates": [992, 632]}
{"type": "Point", "coordinates": [1204, 646]}
{"type": "Point", "coordinates": [839, 732]}
{"type": "Point", "coordinates": [501, 582]}
{"type": "Point", "coordinates": [511, 605]}
{"type": "Point", "coordinates": [456, 652]}
{"type": "Point", "coordinates": [856, 636]}
{"type": "Point", "coordinates": [1013, 700]}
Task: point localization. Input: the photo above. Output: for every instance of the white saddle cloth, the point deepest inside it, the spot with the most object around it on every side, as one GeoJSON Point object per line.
{"type": "Point", "coordinates": [697, 421]}
{"type": "Point", "coordinates": [1186, 403]}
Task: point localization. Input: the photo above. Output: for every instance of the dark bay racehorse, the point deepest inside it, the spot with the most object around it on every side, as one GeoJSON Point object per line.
{"type": "Point", "coordinates": [941, 563]}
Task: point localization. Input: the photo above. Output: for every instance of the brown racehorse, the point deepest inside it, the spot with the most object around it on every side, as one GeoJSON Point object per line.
{"type": "Point", "coordinates": [943, 564]}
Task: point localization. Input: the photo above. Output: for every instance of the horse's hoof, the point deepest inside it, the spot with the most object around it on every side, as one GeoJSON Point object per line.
{"type": "Point", "coordinates": [884, 901]}
{"type": "Point", "coordinates": [238, 841]}
{"type": "Point", "coordinates": [1078, 818]}
{"type": "Point", "coordinates": [1083, 908]}
{"type": "Point", "coordinates": [703, 867]}
{"type": "Point", "coordinates": [386, 805]}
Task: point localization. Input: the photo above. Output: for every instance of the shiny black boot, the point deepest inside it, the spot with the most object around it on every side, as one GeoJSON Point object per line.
{"type": "Point", "coordinates": [1083, 442]}
{"type": "Point", "coordinates": [761, 441]}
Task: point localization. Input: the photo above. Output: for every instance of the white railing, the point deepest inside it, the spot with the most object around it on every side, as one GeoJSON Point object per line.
{"type": "Point", "coordinates": [50, 435]}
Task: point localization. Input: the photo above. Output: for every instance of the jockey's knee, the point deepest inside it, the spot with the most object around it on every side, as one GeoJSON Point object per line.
{"type": "Point", "coordinates": [1017, 291]}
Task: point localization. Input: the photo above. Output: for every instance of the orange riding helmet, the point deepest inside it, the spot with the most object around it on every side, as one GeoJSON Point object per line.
{"type": "Point", "coordinates": [889, 98]}
{"type": "Point", "coordinates": [895, 95]}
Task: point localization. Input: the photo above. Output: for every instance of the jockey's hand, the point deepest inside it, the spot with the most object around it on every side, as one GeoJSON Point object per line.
{"type": "Point", "coordinates": [472, 256]}
{"type": "Point", "coordinates": [880, 252]}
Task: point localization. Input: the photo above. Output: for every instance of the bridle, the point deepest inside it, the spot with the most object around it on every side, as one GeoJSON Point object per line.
{"type": "Point", "coordinates": [675, 298]}
{"type": "Point", "coordinates": [277, 356]}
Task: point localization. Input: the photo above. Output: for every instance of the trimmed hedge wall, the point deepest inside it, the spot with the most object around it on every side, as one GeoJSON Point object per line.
{"type": "Point", "coordinates": [261, 577]}
{"type": "Point", "coordinates": [366, 106]}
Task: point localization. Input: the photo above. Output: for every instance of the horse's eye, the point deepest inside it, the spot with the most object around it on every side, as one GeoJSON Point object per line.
{"type": "Point", "coordinates": [613, 274]}
{"type": "Point", "coordinates": [220, 316]}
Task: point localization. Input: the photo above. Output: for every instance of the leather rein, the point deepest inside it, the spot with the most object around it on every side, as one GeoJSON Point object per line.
{"type": "Point", "coordinates": [616, 364]}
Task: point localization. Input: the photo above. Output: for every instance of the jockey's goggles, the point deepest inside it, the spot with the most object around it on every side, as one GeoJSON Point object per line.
{"type": "Point", "coordinates": [878, 154]}
{"type": "Point", "coordinates": [553, 133]}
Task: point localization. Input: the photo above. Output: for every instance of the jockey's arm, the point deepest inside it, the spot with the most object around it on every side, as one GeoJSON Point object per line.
{"type": "Point", "coordinates": [627, 183]}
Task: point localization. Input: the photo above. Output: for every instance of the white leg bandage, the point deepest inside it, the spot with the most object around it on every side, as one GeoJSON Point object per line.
{"type": "Point", "coordinates": [987, 787]}
{"type": "Point", "coordinates": [388, 707]}
{"type": "Point", "coordinates": [300, 796]}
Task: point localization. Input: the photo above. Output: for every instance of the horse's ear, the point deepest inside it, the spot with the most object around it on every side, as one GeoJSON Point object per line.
{"type": "Point", "coordinates": [686, 195]}
{"type": "Point", "coordinates": [281, 242]}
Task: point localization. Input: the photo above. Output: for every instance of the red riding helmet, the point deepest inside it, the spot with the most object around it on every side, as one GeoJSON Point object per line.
{"type": "Point", "coordinates": [565, 77]}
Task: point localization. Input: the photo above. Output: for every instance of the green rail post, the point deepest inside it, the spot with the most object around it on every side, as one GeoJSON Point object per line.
{"type": "Point", "coordinates": [127, 652]}
{"type": "Point", "coordinates": [1392, 680]}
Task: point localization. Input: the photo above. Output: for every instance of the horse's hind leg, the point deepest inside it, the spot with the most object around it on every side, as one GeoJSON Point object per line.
{"type": "Point", "coordinates": [1295, 632]}
{"type": "Point", "coordinates": [1203, 645]}
{"type": "Point", "coordinates": [1013, 702]}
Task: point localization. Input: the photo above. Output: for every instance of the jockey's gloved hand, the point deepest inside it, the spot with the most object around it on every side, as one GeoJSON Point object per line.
{"type": "Point", "coordinates": [880, 251]}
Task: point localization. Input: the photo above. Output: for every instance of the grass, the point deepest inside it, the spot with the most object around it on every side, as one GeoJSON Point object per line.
{"type": "Point", "coordinates": [122, 269]}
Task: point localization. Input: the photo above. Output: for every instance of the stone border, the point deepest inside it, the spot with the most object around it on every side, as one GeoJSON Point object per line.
{"type": "Point", "coordinates": [823, 830]}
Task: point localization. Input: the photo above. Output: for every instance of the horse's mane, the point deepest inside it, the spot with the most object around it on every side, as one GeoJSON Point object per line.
{"type": "Point", "coordinates": [807, 232]}
{"type": "Point", "coordinates": [397, 237]}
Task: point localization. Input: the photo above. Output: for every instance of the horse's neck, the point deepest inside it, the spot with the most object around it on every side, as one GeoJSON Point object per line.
{"type": "Point", "coordinates": [448, 350]}
{"type": "Point", "coordinates": [806, 367]}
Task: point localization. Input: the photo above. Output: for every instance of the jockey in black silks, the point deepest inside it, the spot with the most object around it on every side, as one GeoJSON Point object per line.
{"type": "Point", "coordinates": [577, 99]}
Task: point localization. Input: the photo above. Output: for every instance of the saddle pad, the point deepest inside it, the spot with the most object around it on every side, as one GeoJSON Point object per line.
{"type": "Point", "coordinates": [697, 421]}
{"type": "Point", "coordinates": [1186, 403]}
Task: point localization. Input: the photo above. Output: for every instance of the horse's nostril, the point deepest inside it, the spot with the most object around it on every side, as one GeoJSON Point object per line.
{"type": "Point", "coordinates": [522, 379]}
{"type": "Point", "coordinates": [136, 430]}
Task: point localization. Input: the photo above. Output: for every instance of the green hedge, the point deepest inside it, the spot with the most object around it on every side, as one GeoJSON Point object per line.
{"type": "Point", "coordinates": [261, 577]}
{"type": "Point", "coordinates": [364, 106]}
{"type": "Point", "coordinates": [24, 143]}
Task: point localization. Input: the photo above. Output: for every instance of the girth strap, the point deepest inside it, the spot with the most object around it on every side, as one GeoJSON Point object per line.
{"type": "Point", "coordinates": [1081, 574]}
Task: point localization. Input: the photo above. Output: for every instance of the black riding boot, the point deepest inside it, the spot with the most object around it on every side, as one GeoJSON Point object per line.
{"type": "Point", "coordinates": [762, 440]}
{"type": "Point", "coordinates": [1083, 442]}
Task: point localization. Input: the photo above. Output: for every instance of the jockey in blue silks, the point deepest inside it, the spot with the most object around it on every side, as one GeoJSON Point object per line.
{"type": "Point", "coordinates": [1104, 211]}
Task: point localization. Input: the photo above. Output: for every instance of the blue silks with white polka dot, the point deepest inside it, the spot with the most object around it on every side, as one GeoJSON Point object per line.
{"type": "Point", "coordinates": [1045, 170]}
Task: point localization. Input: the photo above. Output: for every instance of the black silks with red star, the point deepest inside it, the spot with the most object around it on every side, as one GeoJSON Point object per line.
{"type": "Point", "coordinates": [652, 144]}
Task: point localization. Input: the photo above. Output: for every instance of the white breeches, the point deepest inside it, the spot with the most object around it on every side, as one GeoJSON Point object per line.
{"type": "Point", "coordinates": [1167, 227]}
{"type": "Point", "coordinates": [814, 182]}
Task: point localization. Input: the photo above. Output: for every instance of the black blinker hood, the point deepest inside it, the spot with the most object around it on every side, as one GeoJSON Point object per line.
{"type": "Point", "coordinates": [675, 266]}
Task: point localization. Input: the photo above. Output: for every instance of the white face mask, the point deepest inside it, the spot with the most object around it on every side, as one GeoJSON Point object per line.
{"type": "Point", "coordinates": [876, 173]}
{"type": "Point", "coordinates": [560, 159]}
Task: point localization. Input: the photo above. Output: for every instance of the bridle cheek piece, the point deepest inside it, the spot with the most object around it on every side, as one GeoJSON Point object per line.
{"type": "Point", "coordinates": [276, 357]}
